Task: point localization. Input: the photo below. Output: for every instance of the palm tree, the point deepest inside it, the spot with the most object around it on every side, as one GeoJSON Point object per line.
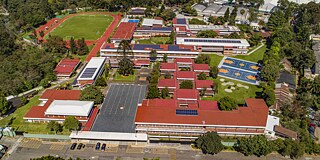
{"type": "Point", "coordinates": [242, 11]}
{"type": "Point", "coordinates": [124, 49]}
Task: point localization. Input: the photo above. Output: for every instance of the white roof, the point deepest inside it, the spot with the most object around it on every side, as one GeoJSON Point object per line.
{"type": "Point", "coordinates": [109, 136]}
{"type": "Point", "coordinates": [271, 122]}
{"type": "Point", "coordinates": [69, 108]}
{"type": "Point", "coordinates": [212, 41]}
{"type": "Point", "coordinates": [151, 22]}
{"type": "Point", "coordinates": [213, 27]}
{"type": "Point", "coordinates": [199, 7]}
{"type": "Point", "coordinates": [95, 62]}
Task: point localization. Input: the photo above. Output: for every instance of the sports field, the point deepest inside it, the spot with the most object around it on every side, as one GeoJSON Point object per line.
{"type": "Point", "coordinates": [88, 26]}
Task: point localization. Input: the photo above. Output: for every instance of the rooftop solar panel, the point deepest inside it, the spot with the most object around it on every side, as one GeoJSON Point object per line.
{"type": "Point", "coordinates": [212, 40]}
{"type": "Point", "coordinates": [181, 21]}
{"type": "Point", "coordinates": [145, 46]}
{"type": "Point", "coordinates": [186, 112]}
{"type": "Point", "coordinates": [88, 72]}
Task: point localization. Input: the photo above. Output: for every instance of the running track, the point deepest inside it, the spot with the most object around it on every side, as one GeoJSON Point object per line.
{"type": "Point", "coordinates": [98, 43]}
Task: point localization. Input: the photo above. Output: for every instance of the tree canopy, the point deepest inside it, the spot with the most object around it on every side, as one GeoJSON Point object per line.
{"type": "Point", "coordinates": [207, 34]}
{"type": "Point", "coordinates": [5, 105]}
{"type": "Point", "coordinates": [187, 84]}
{"type": "Point", "coordinates": [203, 59]}
{"type": "Point", "coordinates": [227, 103]}
{"type": "Point", "coordinates": [210, 143]}
{"type": "Point", "coordinates": [71, 123]}
{"type": "Point", "coordinates": [92, 93]}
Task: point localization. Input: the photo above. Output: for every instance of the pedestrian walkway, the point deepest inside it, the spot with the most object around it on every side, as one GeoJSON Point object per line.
{"type": "Point", "coordinates": [256, 49]}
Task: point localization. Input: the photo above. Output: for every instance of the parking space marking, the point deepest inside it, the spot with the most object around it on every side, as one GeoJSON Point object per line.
{"type": "Point", "coordinates": [58, 147]}
{"type": "Point", "coordinates": [134, 149]}
{"type": "Point", "coordinates": [32, 143]}
{"type": "Point", "coordinates": [159, 151]}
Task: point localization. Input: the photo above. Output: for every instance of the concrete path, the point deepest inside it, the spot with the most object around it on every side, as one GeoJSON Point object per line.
{"type": "Point", "coordinates": [256, 49]}
{"type": "Point", "coordinates": [14, 147]}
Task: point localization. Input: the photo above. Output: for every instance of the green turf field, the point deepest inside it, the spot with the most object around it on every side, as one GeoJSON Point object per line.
{"type": "Point", "coordinates": [90, 27]}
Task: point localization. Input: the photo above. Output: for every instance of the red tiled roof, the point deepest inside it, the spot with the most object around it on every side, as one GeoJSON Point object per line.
{"type": "Point", "coordinates": [201, 67]}
{"type": "Point", "coordinates": [167, 66]}
{"type": "Point", "coordinates": [186, 94]}
{"type": "Point", "coordinates": [66, 66]}
{"type": "Point", "coordinates": [167, 83]}
{"type": "Point", "coordinates": [204, 83]}
{"type": "Point", "coordinates": [89, 124]}
{"type": "Point", "coordinates": [183, 60]}
{"type": "Point", "coordinates": [180, 28]}
{"type": "Point", "coordinates": [208, 105]}
{"type": "Point", "coordinates": [124, 31]}
{"type": "Point", "coordinates": [244, 116]}
{"type": "Point", "coordinates": [140, 62]}
{"type": "Point", "coordinates": [61, 94]}
{"type": "Point", "coordinates": [185, 75]}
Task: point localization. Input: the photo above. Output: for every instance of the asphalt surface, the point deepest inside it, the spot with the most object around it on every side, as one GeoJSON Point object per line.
{"type": "Point", "coordinates": [118, 111]}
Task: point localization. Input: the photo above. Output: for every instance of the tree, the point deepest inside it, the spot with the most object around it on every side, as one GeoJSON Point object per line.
{"type": "Point", "coordinates": [124, 49]}
{"type": "Point", "coordinates": [167, 14]}
{"type": "Point", "coordinates": [5, 105]}
{"type": "Point", "coordinates": [73, 46]}
{"type": "Point", "coordinates": [210, 143]}
{"type": "Point", "coordinates": [203, 59]}
{"type": "Point", "coordinates": [207, 34]}
{"type": "Point", "coordinates": [82, 47]}
{"type": "Point", "coordinates": [253, 15]}
{"type": "Point", "coordinates": [71, 123]}
{"type": "Point", "coordinates": [268, 95]}
{"type": "Point", "coordinates": [41, 33]}
{"type": "Point", "coordinates": [165, 93]}
{"type": "Point", "coordinates": [214, 70]}
{"type": "Point", "coordinates": [227, 103]}
{"type": "Point", "coordinates": [255, 39]}
{"type": "Point", "coordinates": [257, 145]}
{"type": "Point", "coordinates": [202, 76]}
{"type": "Point", "coordinates": [242, 12]}
{"type": "Point", "coordinates": [153, 92]}
{"type": "Point", "coordinates": [165, 58]}
{"type": "Point", "coordinates": [197, 21]}
{"type": "Point", "coordinates": [55, 44]}
{"type": "Point", "coordinates": [49, 158]}
{"type": "Point", "coordinates": [54, 126]}
{"type": "Point", "coordinates": [126, 67]}
{"type": "Point", "coordinates": [101, 82]}
{"type": "Point", "coordinates": [233, 16]}
{"type": "Point", "coordinates": [226, 15]}
{"type": "Point", "coordinates": [153, 55]}
{"type": "Point", "coordinates": [91, 93]}
{"type": "Point", "coordinates": [187, 9]}
{"type": "Point", "coordinates": [233, 35]}
{"type": "Point", "coordinates": [187, 84]}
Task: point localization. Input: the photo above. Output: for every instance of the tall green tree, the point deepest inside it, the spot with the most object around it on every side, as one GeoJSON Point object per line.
{"type": "Point", "coordinates": [233, 16]}
{"type": "Point", "coordinates": [153, 92]}
{"type": "Point", "coordinates": [124, 49]}
{"type": "Point", "coordinates": [73, 46]}
{"type": "Point", "coordinates": [82, 47]}
{"type": "Point", "coordinates": [203, 59]}
{"type": "Point", "coordinates": [202, 76]}
{"type": "Point", "coordinates": [165, 58]}
{"type": "Point", "coordinates": [54, 126]}
{"type": "Point", "coordinates": [210, 143]}
{"type": "Point", "coordinates": [55, 44]}
{"type": "Point", "coordinates": [92, 93]}
{"type": "Point", "coordinates": [257, 145]}
{"type": "Point", "coordinates": [101, 81]}
{"type": "Point", "coordinates": [214, 70]}
{"type": "Point", "coordinates": [126, 67]}
{"type": "Point", "coordinates": [165, 93]}
{"type": "Point", "coordinates": [207, 34]}
{"type": "Point", "coordinates": [268, 95]}
{"type": "Point", "coordinates": [71, 123]}
{"type": "Point", "coordinates": [227, 103]}
{"type": "Point", "coordinates": [5, 105]}
{"type": "Point", "coordinates": [226, 15]}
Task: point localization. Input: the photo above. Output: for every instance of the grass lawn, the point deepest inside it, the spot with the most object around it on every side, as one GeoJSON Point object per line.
{"type": "Point", "coordinates": [215, 59]}
{"type": "Point", "coordinates": [20, 125]}
{"type": "Point", "coordinates": [240, 93]}
{"type": "Point", "coordinates": [90, 27]}
{"type": "Point", "coordinates": [255, 56]}
{"type": "Point", "coordinates": [154, 40]}
{"type": "Point", "coordinates": [130, 78]}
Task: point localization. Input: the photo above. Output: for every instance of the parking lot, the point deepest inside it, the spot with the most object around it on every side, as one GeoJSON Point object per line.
{"type": "Point", "coordinates": [118, 111]}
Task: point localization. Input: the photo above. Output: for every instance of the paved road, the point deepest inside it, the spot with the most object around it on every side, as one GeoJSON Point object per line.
{"type": "Point", "coordinates": [33, 148]}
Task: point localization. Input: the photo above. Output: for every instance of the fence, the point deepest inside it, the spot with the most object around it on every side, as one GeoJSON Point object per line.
{"type": "Point", "coordinates": [46, 136]}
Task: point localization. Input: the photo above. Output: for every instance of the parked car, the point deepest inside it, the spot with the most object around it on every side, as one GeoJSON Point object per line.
{"type": "Point", "coordinates": [80, 146]}
{"type": "Point", "coordinates": [98, 146]}
{"type": "Point", "coordinates": [103, 147]}
{"type": "Point", "coordinates": [73, 146]}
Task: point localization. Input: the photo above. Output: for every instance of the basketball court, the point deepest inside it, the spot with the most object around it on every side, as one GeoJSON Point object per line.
{"type": "Point", "coordinates": [240, 70]}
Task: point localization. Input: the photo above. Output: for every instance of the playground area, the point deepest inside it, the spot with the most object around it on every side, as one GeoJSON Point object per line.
{"type": "Point", "coordinates": [240, 70]}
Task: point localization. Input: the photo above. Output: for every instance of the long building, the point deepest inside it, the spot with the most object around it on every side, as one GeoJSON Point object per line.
{"type": "Point", "coordinates": [225, 46]}
{"type": "Point", "coordinates": [92, 71]}
{"type": "Point", "coordinates": [142, 51]}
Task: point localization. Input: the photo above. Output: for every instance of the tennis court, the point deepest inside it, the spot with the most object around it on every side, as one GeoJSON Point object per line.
{"type": "Point", "coordinates": [241, 70]}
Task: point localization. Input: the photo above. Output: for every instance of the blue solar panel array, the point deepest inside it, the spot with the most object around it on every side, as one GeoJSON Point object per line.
{"type": "Point", "coordinates": [212, 40]}
{"type": "Point", "coordinates": [176, 48]}
{"type": "Point", "coordinates": [134, 20]}
{"type": "Point", "coordinates": [88, 72]}
{"type": "Point", "coordinates": [181, 21]}
{"type": "Point", "coordinates": [186, 112]}
{"type": "Point", "coordinates": [144, 46]}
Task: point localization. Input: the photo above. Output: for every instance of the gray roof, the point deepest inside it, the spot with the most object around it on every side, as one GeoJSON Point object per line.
{"type": "Point", "coordinates": [213, 9]}
{"type": "Point", "coordinates": [199, 7]}
{"type": "Point", "coordinates": [316, 49]}
{"type": "Point", "coordinates": [288, 78]}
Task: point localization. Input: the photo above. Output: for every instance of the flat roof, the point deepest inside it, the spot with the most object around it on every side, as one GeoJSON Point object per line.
{"type": "Point", "coordinates": [150, 22]}
{"type": "Point", "coordinates": [92, 68]}
{"type": "Point", "coordinates": [69, 108]}
{"type": "Point", "coordinates": [109, 136]}
{"type": "Point", "coordinates": [124, 31]}
{"type": "Point", "coordinates": [212, 41]}
{"type": "Point", "coordinates": [119, 108]}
